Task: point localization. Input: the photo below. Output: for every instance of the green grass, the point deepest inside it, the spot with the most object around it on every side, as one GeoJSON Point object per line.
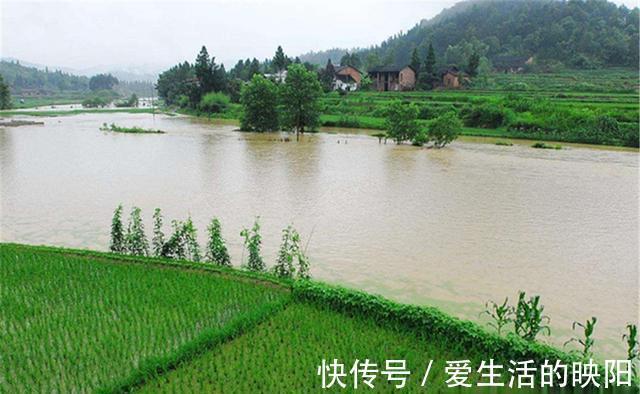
{"type": "Point", "coordinates": [132, 130]}
{"type": "Point", "coordinates": [85, 321]}
{"type": "Point", "coordinates": [79, 111]}
{"type": "Point", "coordinates": [282, 355]}
{"type": "Point", "coordinates": [75, 324]}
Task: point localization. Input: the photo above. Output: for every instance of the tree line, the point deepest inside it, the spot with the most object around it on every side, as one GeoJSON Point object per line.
{"type": "Point", "coordinates": [182, 244]}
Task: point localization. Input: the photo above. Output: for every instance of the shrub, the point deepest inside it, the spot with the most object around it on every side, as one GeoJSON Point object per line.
{"type": "Point", "coordinates": [402, 124]}
{"type": "Point", "coordinates": [486, 115]}
{"type": "Point", "coordinates": [444, 129]}
{"type": "Point", "coordinates": [214, 102]}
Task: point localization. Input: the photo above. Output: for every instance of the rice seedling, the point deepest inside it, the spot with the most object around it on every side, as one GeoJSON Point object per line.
{"type": "Point", "coordinates": [157, 242]}
{"type": "Point", "coordinates": [283, 354]}
{"type": "Point", "coordinates": [77, 324]}
{"type": "Point", "coordinates": [633, 351]}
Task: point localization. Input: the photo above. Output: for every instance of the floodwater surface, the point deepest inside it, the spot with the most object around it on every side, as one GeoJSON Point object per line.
{"type": "Point", "coordinates": [452, 228]}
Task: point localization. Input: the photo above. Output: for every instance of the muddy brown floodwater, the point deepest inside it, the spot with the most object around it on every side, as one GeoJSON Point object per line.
{"type": "Point", "coordinates": [451, 228]}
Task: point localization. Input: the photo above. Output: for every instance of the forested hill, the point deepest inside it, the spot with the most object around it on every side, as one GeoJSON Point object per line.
{"type": "Point", "coordinates": [21, 79]}
{"type": "Point", "coordinates": [575, 33]}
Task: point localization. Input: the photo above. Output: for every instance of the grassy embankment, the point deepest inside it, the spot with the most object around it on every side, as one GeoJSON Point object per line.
{"type": "Point", "coordinates": [114, 323]}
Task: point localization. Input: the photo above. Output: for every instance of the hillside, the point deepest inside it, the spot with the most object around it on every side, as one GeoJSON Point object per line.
{"type": "Point", "coordinates": [575, 34]}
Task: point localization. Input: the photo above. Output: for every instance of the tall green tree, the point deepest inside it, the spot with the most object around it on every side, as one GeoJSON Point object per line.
{"type": "Point", "coordinates": [5, 95]}
{"type": "Point", "coordinates": [326, 76]}
{"type": "Point", "coordinates": [415, 60]}
{"type": "Point", "coordinates": [300, 95]}
{"type": "Point", "coordinates": [102, 82]}
{"type": "Point", "coordinates": [472, 65]}
{"type": "Point", "coordinates": [260, 105]}
{"type": "Point", "coordinates": [427, 77]}
{"type": "Point", "coordinates": [280, 61]}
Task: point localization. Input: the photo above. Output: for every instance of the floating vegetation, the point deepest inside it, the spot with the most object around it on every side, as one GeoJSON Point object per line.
{"type": "Point", "coordinates": [134, 130]}
{"type": "Point", "coordinates": [542, 145]}
{"type": "Point", "coordinates": [504, 143]}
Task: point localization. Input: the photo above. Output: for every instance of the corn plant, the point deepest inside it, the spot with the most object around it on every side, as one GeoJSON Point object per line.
{"type": "Point", "coordinates": [587, 343]}
{"type": "Point", "coordinates": [117, 232]}
{"type": "Point", "coordinates": [191, 240]}
{"type": "Point", "coordinates": [157, 241]}
{"type": "Point", "coordinates": [175, 247]}
{"type": "Point", "coordinates": [135, 239]}
{"type": "Point", "coordinates": [303, 265]}
{"type": "Point", "coordinates": [217, 251]}
{"type": "Point", "coordinates": [501, 314]}
{"type": "Point", "coordinates": [253, 242]}
{"type": "Point", "coordinates": [633, 352]}
{"type": "Point", "coordinates": [529, 320]}
{"type": "Point", "coordinates": [288, 250]}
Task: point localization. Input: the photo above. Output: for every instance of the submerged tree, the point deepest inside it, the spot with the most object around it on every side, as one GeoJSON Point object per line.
{"type": "Point", "coordinates": [217, 251]}
{"type": "Point", "coordinates": [135, 240]}
{"type": "Point", "coordinates": [300, 100]}
{"type": "Point", "coordinates": [157, 242]}
{"type": "Point", "coordinates": [402, 121]}
{"type": "Point", "coordinates": [253, 242]}
{"type": "Point", "coordinates": [260, 105]}
{"type": "Point", "coordinates": [444, 129]}
{"type": "Point", "coordinates": [117, 244]}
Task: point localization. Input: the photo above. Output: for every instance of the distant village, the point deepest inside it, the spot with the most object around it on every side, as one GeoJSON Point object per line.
{"type": "Point", "coordinates": [403, 77]}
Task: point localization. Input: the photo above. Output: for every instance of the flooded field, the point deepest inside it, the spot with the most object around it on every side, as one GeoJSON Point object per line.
{"type": "Point", "coordinates": [452, 227]}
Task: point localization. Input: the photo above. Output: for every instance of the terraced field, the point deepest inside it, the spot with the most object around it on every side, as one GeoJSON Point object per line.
{"type": "Point", "coordinates": [76, 324]}
{"type": "Point", "coordinates": [82, 321]}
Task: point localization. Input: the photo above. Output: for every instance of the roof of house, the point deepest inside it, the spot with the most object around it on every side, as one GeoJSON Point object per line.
{"type": "Point", "coordinates": [389, 69]}
{"type": "Point", "coordinates": [337, 69]}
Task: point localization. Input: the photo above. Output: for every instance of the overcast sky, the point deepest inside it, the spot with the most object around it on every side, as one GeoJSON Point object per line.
{"type": "Point", "coordinates": [155, 34]}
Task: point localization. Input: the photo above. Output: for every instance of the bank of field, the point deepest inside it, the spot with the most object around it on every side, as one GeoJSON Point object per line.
{"type": "Point", "coordinates": [81, 321]}
{"type": "Point", "coordinates": [76, 324]}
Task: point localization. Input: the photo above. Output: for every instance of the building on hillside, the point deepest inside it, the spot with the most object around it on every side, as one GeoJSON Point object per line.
{"type": "Point", "coordinates": [451, 78]}
{"type": "Point", "coordinates": [512, 64]}
{"type": "Point", "coordinates": [346, 78]}
{"type": "Point", "coordinates": [278, 77]}
{"type": "Point", "coordinates": [385, 78]}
